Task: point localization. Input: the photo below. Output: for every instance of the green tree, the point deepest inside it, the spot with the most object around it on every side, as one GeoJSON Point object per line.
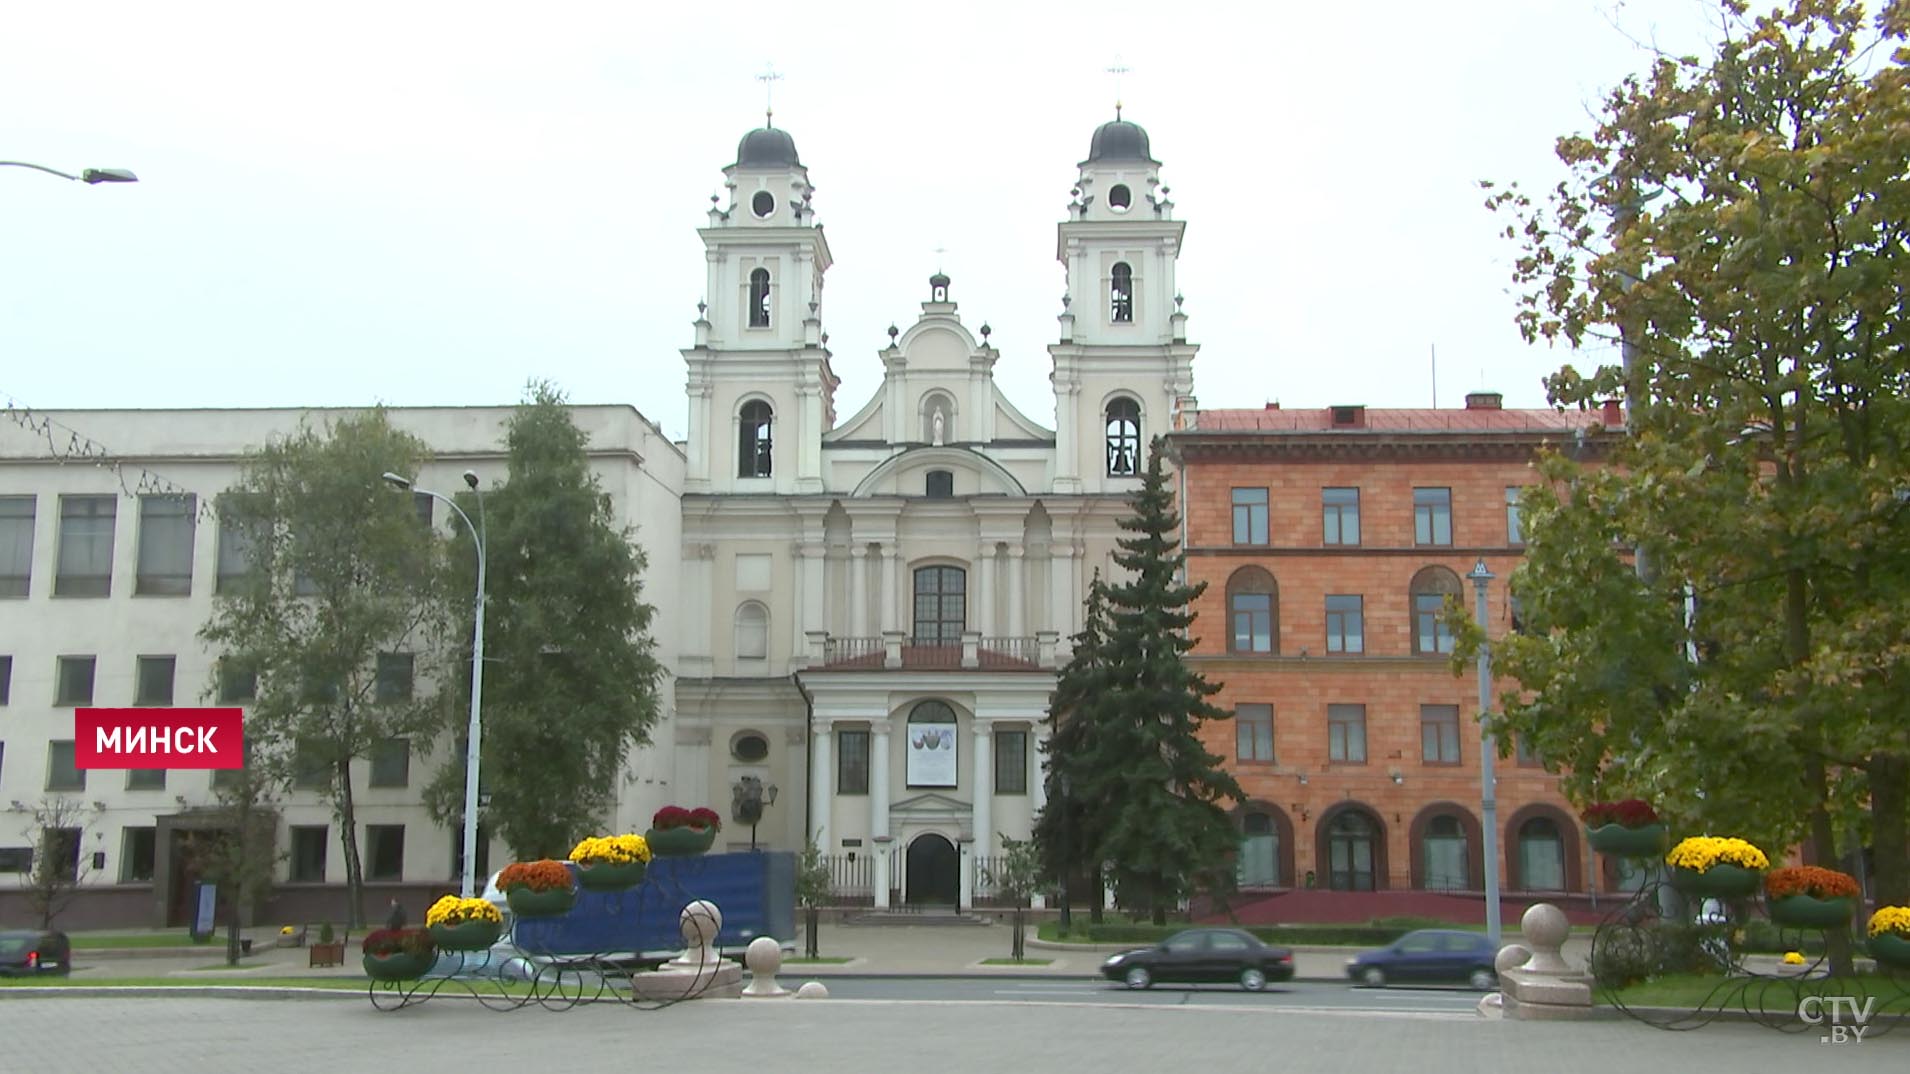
{"type": "Point", "coordinates": [56, 828]}
{"type": "Point", "coordinates": [1074, 779]}
{"type": "Point", "coordinates": [1017, 874]}
{"type": "Point", "coordinates": [341, 572]}
{"type": "Point", "coordinates": [812, 891]}
{"type": "Point", "coordinates": [241, 856]}
{"type": "Point", "coordinates": [1157, 789]}
{"type": "Point", "coordinates": [1737, 222]}
{"type": "Point", "coordinates": [570, 684]}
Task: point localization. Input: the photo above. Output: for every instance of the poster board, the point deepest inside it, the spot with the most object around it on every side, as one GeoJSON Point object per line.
{"type": "Point", "coordinates": [932, 755]}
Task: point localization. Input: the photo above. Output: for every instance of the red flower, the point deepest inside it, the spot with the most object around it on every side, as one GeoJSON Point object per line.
{"type": "Point", "coordinates": [386, 942]}
{"type": "Point", "coordinates": [704, 817]}
{"type": "Point", "coordinates": [670, 817]}
{"type": "Point", "coordinates": [1630, 813]}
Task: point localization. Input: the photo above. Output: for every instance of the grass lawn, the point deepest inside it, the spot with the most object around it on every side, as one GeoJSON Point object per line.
{"type": "Point", "coordinates": [1691, 989]}
{"type": "Point", "coordinates": [822, 961]}
{"type": "Point", "coordinates": [1017, 961]}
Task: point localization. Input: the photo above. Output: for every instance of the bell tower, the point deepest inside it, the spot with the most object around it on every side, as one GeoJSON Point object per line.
{"type": "Point", "coordinates": [760, 388]}
{"type": "Point", "coordinates": [1123, 369]}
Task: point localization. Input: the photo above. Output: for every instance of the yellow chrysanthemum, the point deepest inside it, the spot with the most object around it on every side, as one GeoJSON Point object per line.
{"type": "Point", "coordinates": [612, 850]}
{"type": "Point", "coordinates": [1793, 958]}
{"type": "Point", "coordinates": [1701, 852]}
{"type": "Point", "coordinates": [452, 910]}
{"type": "Point", "coordinates": [1892, 919]}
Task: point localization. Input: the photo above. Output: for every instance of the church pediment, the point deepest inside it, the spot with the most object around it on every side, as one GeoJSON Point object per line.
{"type": "Point", "coordinates": [930, 804]}
{"type": "Point", "coordinates": [907, 468]}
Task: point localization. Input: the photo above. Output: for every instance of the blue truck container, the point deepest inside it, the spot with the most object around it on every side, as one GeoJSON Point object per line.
{"type": "Point", "coordinates": [754, 890]}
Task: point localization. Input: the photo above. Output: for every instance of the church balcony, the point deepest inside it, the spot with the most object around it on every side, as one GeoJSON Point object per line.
{"type": "Point", "coordinates": [895, 650]}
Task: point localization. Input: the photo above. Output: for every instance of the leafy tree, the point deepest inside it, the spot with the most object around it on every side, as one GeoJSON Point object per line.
{"type": "Point", "coordinates": [1155, 787]}
{"type": "Point", "coordinates": [812, 891]}
{"type": "Point", "coordinates": [1063, 836]}
{"type": "Point", "coordinates": [1737, 222]}
{"type": "Point", "coordinates": [241, 857]}
{"type": "Point", "coordinates": [1016, 875]}
{"type": "Point", "coordinates": [56, 826]}
{"type": "Point", "coordinates": [570, 684]}
{"type": "Point", "coordinates": [341, 570]}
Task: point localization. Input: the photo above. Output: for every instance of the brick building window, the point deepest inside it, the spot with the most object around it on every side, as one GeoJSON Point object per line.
{"type": "Point", "coordinates": [1340, 510]}
{"type": "Point", "coordinates": [1430, 588]}
{"type": "Point", "coordinates": [1513, 534]}
{"type": "Point", "coordinates": [1346, 733]}
{"type": "Point", "coordinates": [1439, 734]}
{"type": "Point", "coordinates": [1432, 516]}
{"type": "Point", "coordinates": [1253, 733]}
{"type": "Point", "coordinates": [1345, 627]}
{"type": "Point", "coordinates": [1250, 516]}
{"type": "Point", "coordinates": [1253, 611]}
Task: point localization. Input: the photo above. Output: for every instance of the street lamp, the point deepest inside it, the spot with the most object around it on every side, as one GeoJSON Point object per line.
{"type": "Point", "coordinates": [88, 175]}
{"type": "Point", "coordinates": [475, 730]}
{"type": "Point", "coordinates": [750, 797]}
{"type": "Point", "coordinates": [1488, 791]}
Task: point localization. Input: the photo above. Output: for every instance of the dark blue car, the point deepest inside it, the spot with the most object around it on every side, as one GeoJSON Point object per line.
{"type": "Point", "coordinates": [1429, 956]}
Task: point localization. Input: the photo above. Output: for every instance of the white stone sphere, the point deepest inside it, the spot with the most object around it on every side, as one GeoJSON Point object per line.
{"type": "Point", "coordinates": [1511, 957]}
{"type": "Point", "coordinates": [764, 955]}
{"type": "Point", "coordinates": [701, 921]}
{"type": "Point", "coordinates": [1545, 927]}
{"type": "Point", "coordinates": [812, 990]}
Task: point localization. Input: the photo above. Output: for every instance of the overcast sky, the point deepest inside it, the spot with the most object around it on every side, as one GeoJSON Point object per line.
{"type": "Point", "coordinates": [431, 203]}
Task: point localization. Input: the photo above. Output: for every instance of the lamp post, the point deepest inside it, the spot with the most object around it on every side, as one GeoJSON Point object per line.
{"type": "Point", "coordinates": [1488, 791]}
{"type": "Point", "coordinates": [475, 730]}
{"type": "Point", "coordinates": [87, 175]}
{"type": "Point", "coordinates": [752, 796]}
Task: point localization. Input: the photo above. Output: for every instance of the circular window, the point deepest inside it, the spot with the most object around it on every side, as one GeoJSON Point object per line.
{"type": "Point", "coordinates": [1119, 198]}
{"type": "Point", "coordinates": [763, 203]}
{"type": "Point", "coordinates": [749, 747]}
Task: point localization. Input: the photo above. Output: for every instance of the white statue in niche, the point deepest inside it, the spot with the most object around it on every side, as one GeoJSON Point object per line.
{"type": "Point", "coordinates": [936, 430]}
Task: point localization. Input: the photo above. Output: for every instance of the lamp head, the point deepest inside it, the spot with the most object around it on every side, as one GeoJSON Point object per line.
{"type": "Point", "coordinates": [470, 479]}
{"type": "Point", "coordinates": [108, 175]}
{"type": "Point", "coordinates": [1480, 573]}
{"type": "Point", "coordinates": [397, 482]}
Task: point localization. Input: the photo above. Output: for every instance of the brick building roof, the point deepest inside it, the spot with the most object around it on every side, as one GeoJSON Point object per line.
{"type": "Point", "coordinates": [1419, 420]}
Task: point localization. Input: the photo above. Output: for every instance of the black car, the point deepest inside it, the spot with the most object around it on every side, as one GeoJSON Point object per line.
{"type": "Point", "coordinates": [27, 953]}
{"type": "Point", "coordinates": [1203, 955]}
{"type": "Point", "coordinates": [1429, 956]}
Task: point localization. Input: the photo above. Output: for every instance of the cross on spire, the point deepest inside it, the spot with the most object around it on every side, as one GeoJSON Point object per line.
{"type": "Point", "coordinates": [939, 251]}
{"type": "Point", "coordinates": [1117, 70]}
{"type": "Point", "coordinates": [769, 78]}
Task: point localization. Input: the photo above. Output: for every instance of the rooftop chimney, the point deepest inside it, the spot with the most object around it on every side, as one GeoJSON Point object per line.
{"type": "Point", "coordinates": [1273, 406]}
{"type": "Point", "coordinates": [1348, 417]}
{"type": "Point", "coordinates": [1613, 414]}
{"type": "Point", "coordinates": [1484, 400]}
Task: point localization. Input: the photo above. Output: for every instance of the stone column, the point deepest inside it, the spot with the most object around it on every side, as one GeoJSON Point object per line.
{"type": "Point", "coordinates": [821, 785]}
{"type": "Point", "coordinates": [1017, 586]}
{"type": "Point", "coordinates": [879, 807]}
{"type": "Point", "coordinates": [983, 616]}
{"type": "Point", "coordinates": [1061, 604]}
{"type": "Point", "coordinates": [858, 591]}
{"type": "Point", "coordinates": [815, 598]}
{"type": "Point", "coordinates": [984, 809]}
{"type": "Point", "coordinates": [887, 584]}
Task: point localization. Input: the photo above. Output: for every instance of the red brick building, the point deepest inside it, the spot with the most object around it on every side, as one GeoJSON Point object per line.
{"type": "Point", "coordinates": [1329, 539]}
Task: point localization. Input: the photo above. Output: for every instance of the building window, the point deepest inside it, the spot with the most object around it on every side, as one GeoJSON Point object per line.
{"type": "Point", "coordinates": [236, 545]}
{"type": "Point", "coordinates": [1443, 849]}
{"type": "Point", "coordinates": [393, 684]}
{"type": "Point", "coordinates": [852, 762]}
{"type": "Point", "coordinates": [759, 298]}
{"type": "Point", "coordinates": [385, 849]}
{"type": "Point", "coordinates": [1523, 752]}
{"type": "Point", "coordinates": [86, 546]}
{"type": "Point", "coordinates": [62, 848]}
{"type": "Point", "coordinates": [1430, 589]}
{"type": "Point", "coordinates": [1250, 516]}
{"type": "Point", "coordinates": [753, 448]}
{"type": "Point", "coordinates": [1432, 516]}
{"type": "Point", "coordinates": [1513, 534]}
{"type": "Point", "coordinates": [1345, 626]}
{"type": "Point", "coordinates": [1253, 608]}
{"type": "Point", "coordinates": [1258, 865]}
{"type": "Point", "coordinates": [1350, 852]}
{"type": "Point", "coordinates": [166, 525]}
{"type": "Point", "coordinates": [233, 778]}
{"type": "Point", "coordinates": [750, 747]}
{"type": "Point", "coordinates": [1011, 762]}
{"type": "Point", "coordinates": [153, 681]}
{"type": "Point", "coordinates": [16, 859]}
{"type": "Point", "coordinates": [1439, 734]}
{"type": "Point", "coordinates": [145, 779]}
{"type": "Point", "coordinates": [941, 605]}
{"type": "Point", "coordinates": [62, 774]}
{"type": "Point", "coordinates": [1541, 856]}
{"type": "Point", "coordinates": [421, 502]}
{"type": "Point", "coordinates": [16, 545]}
{"type": "Point", "coordinates": [1346, 734]}
{"type": "Point", "coordinates": [74, 681]}
{"type": "Point", "coordinates": [1121, 294]}
{"type": "Point", "coordinates": [1340, 510]}
{"type": "Point", "coordinates": [1124, 437]}
{"type": "Point", "coordinates": [941, 484]}
{"type": "Point", "coordinates": [137, 851]}
{"type": "Point", "coordinates": [1253, 733]}
{"type": "Point", "coordinates": [483, 864]}
{"type": "Point", "coordinates": [752, 631]}
{"type": "Point", "coordinates": [308, 854]}
{"type": "Point", "coordinates": [238, 683]}
{"type": "Point", "coordinates": [311, 771]}
{"type": "Point", "coordinates": [6, 679]}
{"type": "Point", "coordinates": [391, 763]}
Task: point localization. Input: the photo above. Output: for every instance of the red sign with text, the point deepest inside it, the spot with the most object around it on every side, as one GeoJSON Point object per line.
{"type": "Point", "coordinates": [159, 738]}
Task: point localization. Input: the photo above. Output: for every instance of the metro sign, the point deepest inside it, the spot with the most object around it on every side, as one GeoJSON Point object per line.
{"type": "Point", "coordinates": [159, 738]}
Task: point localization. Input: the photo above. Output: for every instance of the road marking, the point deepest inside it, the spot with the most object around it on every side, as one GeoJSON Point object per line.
{"type": "Point", "coordinates": [1044, 992]}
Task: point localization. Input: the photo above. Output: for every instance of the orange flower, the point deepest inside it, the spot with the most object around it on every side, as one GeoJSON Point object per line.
{"type": "Point", "coordinates": [1818, 883]}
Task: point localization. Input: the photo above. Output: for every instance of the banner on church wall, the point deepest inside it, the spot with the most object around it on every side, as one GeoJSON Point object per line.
{"type": "Point", "coordinates": [931, 755]}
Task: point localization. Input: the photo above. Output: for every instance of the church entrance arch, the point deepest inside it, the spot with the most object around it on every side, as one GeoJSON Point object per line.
{"type": "Point", "coordinates": [934, 871]}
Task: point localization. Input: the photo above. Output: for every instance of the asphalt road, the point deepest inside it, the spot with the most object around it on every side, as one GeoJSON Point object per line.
{"type": "Point", "coordinates": [1300, 995]}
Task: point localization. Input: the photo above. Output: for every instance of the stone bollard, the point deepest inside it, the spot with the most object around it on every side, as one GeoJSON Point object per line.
{"type": "Point", "coordinates": [700, 921]}
{"type": "Point", "coordinates": [764, 957]}
{"type": "Point", "coordinates": [1542, 985]}
{"type": "Point", "coordinates": [812, 990]}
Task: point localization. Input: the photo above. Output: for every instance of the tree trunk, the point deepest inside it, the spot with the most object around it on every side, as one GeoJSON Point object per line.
{"type": "Point", "coordinates": [1823, 851]}
{"type": "Point", "coordinates": [812, 920]}
{"type": "Point", "coordinates": [1889, 817]}
{"type": "Point", "coordinates": [347, 836]}
{"type": "Point", "coordinates": [1100, 893]}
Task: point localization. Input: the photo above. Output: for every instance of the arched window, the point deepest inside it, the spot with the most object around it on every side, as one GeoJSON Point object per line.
{"type": "Point", "coordinates": [759, 298]}
{"type": "Point", "coordinates": [752, 448]}
{"type": "Point", "coordinates": [752, 631]}
{"type": "Point", "coordinates": [1430, 588]}
{"type": "Point", "coordinates": [1444, 851]}
{"type": "Point", "coordinates": [941, 605]}
{"type": "Point", "coordinates": [1350, 852]}
{"type": "Point", "coordinates": [1259, 861]}
{"type": "Point", "coordinates": [1541, 855]}
{"type": "Point", "coordinates": [1121, 294]}
{"type": "Point", "coordinates": [1253, 612]}
{"type": "Point", "coordinates": [1124, 437]}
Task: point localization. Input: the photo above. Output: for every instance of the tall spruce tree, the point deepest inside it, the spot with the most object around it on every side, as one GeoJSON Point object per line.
{"type": "Point", "coordinates": [1072, 777]}
{"type": "Point", "coordinates": [1159, 791]}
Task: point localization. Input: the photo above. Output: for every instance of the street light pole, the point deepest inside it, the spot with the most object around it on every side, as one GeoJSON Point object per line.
{"type": "Point", "coordinates": [475, 730]}
{"type": "Point", "coordinates": [1488, 789]}
{"type": "Point", "coordinates": [87, 175]}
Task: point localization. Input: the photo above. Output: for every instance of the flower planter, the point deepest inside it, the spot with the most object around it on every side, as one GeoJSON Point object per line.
{"type": "Point", "coordinates": [1622, 842]}
{"type": "Point", "coordinates": [468, 936]}
{"type": "Point", "coordinates": [680, 842]}
{"type": "Point", "coordinates": [1807, 912]}
{"type": "Point", "coordinates": [1721, 881]}
{"type": "Point", "coordinates": [401, 966]}
{"type": "Point", "coordinates": [551, 902]}
{"type": "Point", "coordinates": [607, 876]}
{"type": "Point", "coordinates": [1891, 949]}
